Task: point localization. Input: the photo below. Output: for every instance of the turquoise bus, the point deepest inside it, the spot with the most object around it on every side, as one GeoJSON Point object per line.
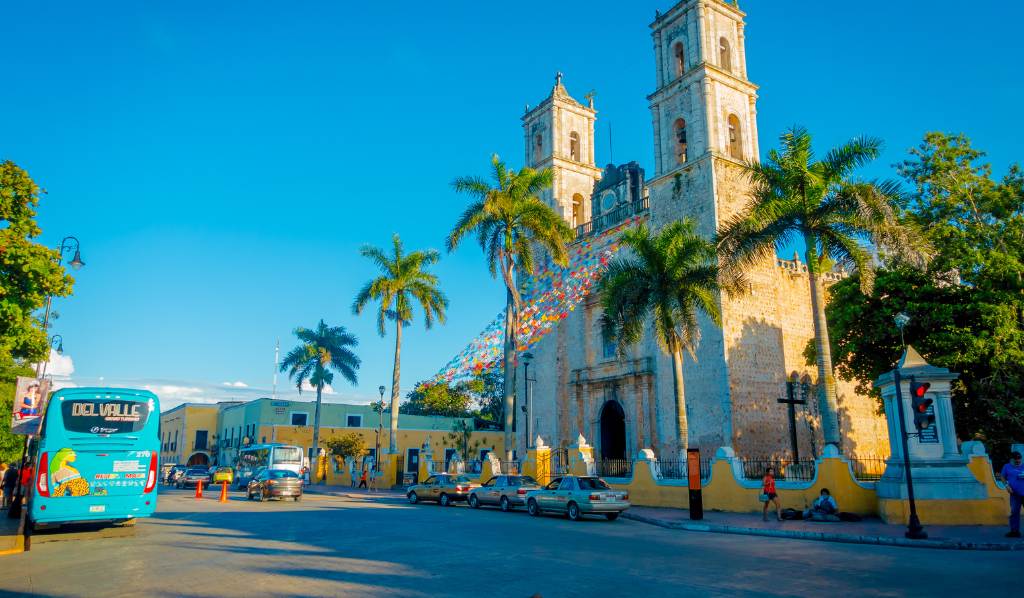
{"type": "Point", "coordinates": [96, 458]}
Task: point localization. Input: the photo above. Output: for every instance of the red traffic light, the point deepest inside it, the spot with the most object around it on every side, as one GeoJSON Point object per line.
{"type": "Point", "coordinates": [918, 389]}
{"type": "Point", "coordinates": [923, 406]}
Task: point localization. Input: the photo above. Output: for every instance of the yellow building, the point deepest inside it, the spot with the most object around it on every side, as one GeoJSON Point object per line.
{"type": "Point", "coordinates": [214, 434]}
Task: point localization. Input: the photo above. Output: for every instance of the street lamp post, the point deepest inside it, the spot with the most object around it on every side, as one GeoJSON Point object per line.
{"type": "Point", "coordinates": [915, 531]}
{"type": "Point", "coordinates": [66, 245]}
{"type": "Point", "coordinates": [380, 427]}
{"type": "Point", "coordinates": [59, 340]}
{"type": "Point", "coordinates": [528, 408]}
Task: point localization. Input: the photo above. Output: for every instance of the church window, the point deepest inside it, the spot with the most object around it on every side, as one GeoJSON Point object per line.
{"type": "Point", "coordinates": [735, 138]}
{"type": "Point", "coordinates": [538, 148]}
{"type": "Point", "coordinates": [724, 57]}
{"type": "Point", "coordinates": [680, 56]}
{"type": "Point", "coordinates": [574, 146]}
{"type": "Point", "coordinates": [607, 346]}
{"type": "Point", "coordinates": [680, 132]}
{"type": "Point", "coordinates": [608, 201]}
{"type": "Point", "coordinates": [577, 210]}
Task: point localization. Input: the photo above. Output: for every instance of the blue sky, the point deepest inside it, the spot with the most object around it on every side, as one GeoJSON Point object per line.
{"type": "Point", "coordinates": [223, 162]}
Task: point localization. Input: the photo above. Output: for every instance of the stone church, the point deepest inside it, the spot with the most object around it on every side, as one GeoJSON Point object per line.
{"type": "Point", "coordinates": [704, 110]}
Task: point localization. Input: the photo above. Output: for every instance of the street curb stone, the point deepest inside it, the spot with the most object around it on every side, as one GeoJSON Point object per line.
{"type": "Point", "coordinates": [826, 537]}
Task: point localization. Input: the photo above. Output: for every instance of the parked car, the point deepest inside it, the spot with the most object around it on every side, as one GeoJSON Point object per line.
{"type": "Point", "coordinates": [192, 476]}
{"type": "Point", "coordinates": [223, 474]}
{"type": "Point", "coordinates": [274, 483]}
{"type": "Point", "coordinates": [174, 473]}
{"type": "Point", "coordinates": [443, 488]}
{"type": "Point", "coordinates": [577, 496]}
{"type": "Point", "coordinates": [506, 491]}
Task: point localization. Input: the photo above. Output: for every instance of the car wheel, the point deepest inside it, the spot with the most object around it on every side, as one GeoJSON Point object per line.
{"type": "Point", "coordinates": [611, 516]}
{"type": "Point", "coordinates": [532, 508]}
{"type": "Point", "coordinates": [413, 498]}
{"type": "Point", "coordinates": [505, 505]}
{"type": "Point", "coordinates": [444, 501]}
{"type": "Point", "coordinates": [474, 501]}
{"type": "Point", "coordinates": [573, 511]}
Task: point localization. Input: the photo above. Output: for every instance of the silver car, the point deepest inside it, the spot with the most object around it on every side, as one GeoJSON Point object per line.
{"type": "Point", "coordinates": [576, 496]}
{"type": "Point", "coordinates": [506, 491]}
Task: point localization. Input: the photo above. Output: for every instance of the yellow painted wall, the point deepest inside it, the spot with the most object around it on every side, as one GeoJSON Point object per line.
{"type": "Point", "coordinates": [993, 510]}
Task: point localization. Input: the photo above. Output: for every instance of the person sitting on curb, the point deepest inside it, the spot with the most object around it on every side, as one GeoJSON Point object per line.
{"type": "Point", "coordinates": [1013, 477]}
{"type": "Point", "coordinates": [824, 508]}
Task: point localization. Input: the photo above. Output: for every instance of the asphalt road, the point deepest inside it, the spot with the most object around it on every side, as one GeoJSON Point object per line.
{"type": "Point", "coordinates": [350, 546]}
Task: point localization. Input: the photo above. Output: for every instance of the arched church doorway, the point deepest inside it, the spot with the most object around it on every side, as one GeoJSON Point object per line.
{"type": "Point", "coordinates": [613, 431]}
{"type": "Point", "coordinates": [199, 458]}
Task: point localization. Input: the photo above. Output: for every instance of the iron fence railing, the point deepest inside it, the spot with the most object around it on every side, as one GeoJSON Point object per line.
{"type": "Point", "coordinates": [755, 468]}
{"type": "Point", "coordinates": [474, 466]}
{"type": "Point", "coordinates": [868, 469]}
{"type": "Point", "coordinates": [614, 468]}
{"type": "Point", "coordinates": [613, 217]}
{"type": "Point", "coordinates": [674, 469]}
{"type": "Point", "coordinates": [559, 461]}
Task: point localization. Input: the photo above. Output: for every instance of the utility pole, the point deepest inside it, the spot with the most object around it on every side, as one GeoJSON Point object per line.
{"type": "Point", "coordinates": [277, 363]}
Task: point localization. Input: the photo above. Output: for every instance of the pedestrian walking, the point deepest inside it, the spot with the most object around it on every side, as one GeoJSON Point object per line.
{"type": "Point", "coordinates": [373, 479]}
{"type": "Point", "coordinates": [352, 473]}
{"type": "Point", "coordinates": [1013, 477]}
{"type": "Point", "coordinates": [3, 489]}
{"type": "Point", "coordinates": [362, 479]}
{"type": "Point", "coordinates": [768, 494]}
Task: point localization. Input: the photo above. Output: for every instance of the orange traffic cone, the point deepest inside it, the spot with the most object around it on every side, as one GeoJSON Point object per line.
{"type": "Point", "coordinates": [223, 492]}
{"type": "Point", "coordinates": [199, 489]}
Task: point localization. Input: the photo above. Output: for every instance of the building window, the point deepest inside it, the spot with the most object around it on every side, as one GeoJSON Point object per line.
{"type": "Point", "coordinates": [201, 438]}
{"type": "Point", "coordinates": [174, 445]}
{"type": "Point", "coordinates": [735, 138]}
{"type": "Point", "coordinates": [724, 56]}
{"type": "Point", "coordinates": [299, 419]}
{"type": "Point", "coordinates": [538, 148]}
{"type": "Point", "coordinates": [680, 56]}
{"type": "Point", "coordinates": [607, 346]}
{"type": "Point", "coordinates": [578, 217]}
{"type": "Point", "coordinates": [680, 133]}
{"type": "Point", "coordinates": [608, 201]}
{"type": "Point", "coordinates": [354, 421]}
{"type": "Point", "coordinates": [574, 146]}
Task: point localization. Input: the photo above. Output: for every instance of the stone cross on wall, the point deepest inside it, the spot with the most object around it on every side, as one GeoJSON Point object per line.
{"type": "Point", "coordinates": [558, 78]}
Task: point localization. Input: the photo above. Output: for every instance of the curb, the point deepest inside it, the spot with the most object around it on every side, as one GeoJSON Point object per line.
{"type": "Point", "coordinates": [826, 537]}
{"type": "Point", "coordinates": [19, 546]}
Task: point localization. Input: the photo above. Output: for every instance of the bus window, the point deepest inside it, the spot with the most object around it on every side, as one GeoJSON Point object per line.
{"type": "Point", "coordinates": [287, 454]}
{"type": "Point", "coordinates": [96, 416]}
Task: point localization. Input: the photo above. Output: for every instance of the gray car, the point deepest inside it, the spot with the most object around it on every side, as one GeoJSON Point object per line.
{"type": "Point", "coordinates": [505, 491]}
{"type": "Point", "coordinates": [577, 496]}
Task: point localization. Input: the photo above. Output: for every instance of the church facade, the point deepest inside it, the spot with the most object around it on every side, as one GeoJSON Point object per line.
{"type": "Point", "coordinates": [704, 112]}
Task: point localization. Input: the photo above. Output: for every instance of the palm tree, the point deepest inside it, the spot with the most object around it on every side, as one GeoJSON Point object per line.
{"type": "Point", "coordinates": [403, 282]}
{"type": "Point", "coordinates": [319, 351]}
{"type": "Point", "coordinates": [668, 278]}
{"type": "Point", "coordinates": [795, 197]}
{"type": "Point", "coordinates": [510, 222]}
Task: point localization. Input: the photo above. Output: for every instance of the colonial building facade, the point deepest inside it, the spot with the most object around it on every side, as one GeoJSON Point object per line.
{"type": "Point", "coordinates": [704, 112]}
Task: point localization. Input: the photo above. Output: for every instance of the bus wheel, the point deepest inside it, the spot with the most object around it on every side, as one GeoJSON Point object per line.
{"type": "Point", "coordinates": [127, 523]}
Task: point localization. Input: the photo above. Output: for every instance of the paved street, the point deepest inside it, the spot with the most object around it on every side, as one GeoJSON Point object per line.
{"type": "Point", "coordinates": [329, 545]}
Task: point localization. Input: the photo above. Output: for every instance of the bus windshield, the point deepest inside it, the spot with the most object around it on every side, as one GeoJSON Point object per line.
{"type": "Point", "coordinates": [287, 454]}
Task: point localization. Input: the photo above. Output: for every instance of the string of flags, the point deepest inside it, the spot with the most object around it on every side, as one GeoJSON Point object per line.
{"type": "Point", "coordinates": [548, 298]}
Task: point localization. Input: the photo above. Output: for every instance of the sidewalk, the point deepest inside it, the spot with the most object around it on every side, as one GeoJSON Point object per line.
{"type": "Point", "coordinates": [868, 531]}
{"type": "Point", "coordinates": [350, 492]}
{"type": "Point", "coordinates": [10, 541]}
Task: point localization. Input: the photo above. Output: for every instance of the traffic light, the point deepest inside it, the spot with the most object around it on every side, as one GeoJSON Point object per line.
{"type": "Point", "coordinates": [922, 418]}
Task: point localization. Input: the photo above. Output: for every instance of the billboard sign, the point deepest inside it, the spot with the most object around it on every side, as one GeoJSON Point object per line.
{"type": "Point", "coordinates": [30, 396]}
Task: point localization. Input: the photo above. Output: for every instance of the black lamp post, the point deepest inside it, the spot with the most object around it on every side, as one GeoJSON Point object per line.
{"type": "Point", "coordinates": [528, 408]}
{"type": "Point", "coordinates": [66, 245]}
{"type": "Point", "coordinates": [915, 531]}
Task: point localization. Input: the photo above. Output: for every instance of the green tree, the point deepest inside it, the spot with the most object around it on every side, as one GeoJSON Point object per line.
{"type": "Point", "coordinates": [966, 309]}
{"type": "Point", "coordinates": [29, 272]}
{"type": "Point", "coordinates": [347, 445]}
{"type": "Point", "coordinates": [461, 437]}
{"type": "Point", "coordinates": [797, 197]}
{"type": "Point", "coordinates": [438, 399]}
{"type": "Point", "coordinates": [403, 282]}
{"type": "Point", "coordinates": [667, 279]}
{"type": "Point", "coordinates": [319, 351]}
{"type": "Point", "coordinates": [510, 222]}
{"type": "Point", "coordinates": [488, 393]}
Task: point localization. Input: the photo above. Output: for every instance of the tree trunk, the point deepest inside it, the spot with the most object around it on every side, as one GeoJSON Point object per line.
{"type": "Point", "coordinates": [682, 427]}
{"type": "Point", "coordinates": [393, 435]}
{"type": "Point", "coordinates": [315, 461]}
{"type": "Point", "coordinates": [826, 378]}
{"type": "Point", "coordinates": [510, 358]}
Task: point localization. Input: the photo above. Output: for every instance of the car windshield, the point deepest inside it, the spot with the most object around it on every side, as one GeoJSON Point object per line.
{"type": "Point", "coordinates": [197, 470]}
{"type": "Point", "coordinates": [593, 484]}
{"type": "Point", "coordinates": [282, 473]}
{"type": "Point", "coordinates": [223, 470]}
{"type": "Point", "coordinates": [463, 480]}
{"type": "Point", "coordinates": [521, 481]}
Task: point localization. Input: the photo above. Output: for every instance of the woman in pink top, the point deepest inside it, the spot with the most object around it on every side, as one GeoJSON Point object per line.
{"type": "Point", "coordinates": [769, 495]}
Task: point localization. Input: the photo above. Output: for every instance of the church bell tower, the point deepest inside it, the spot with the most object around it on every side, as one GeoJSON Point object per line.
{"type": "Point", "coordinates": [559, 134]}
